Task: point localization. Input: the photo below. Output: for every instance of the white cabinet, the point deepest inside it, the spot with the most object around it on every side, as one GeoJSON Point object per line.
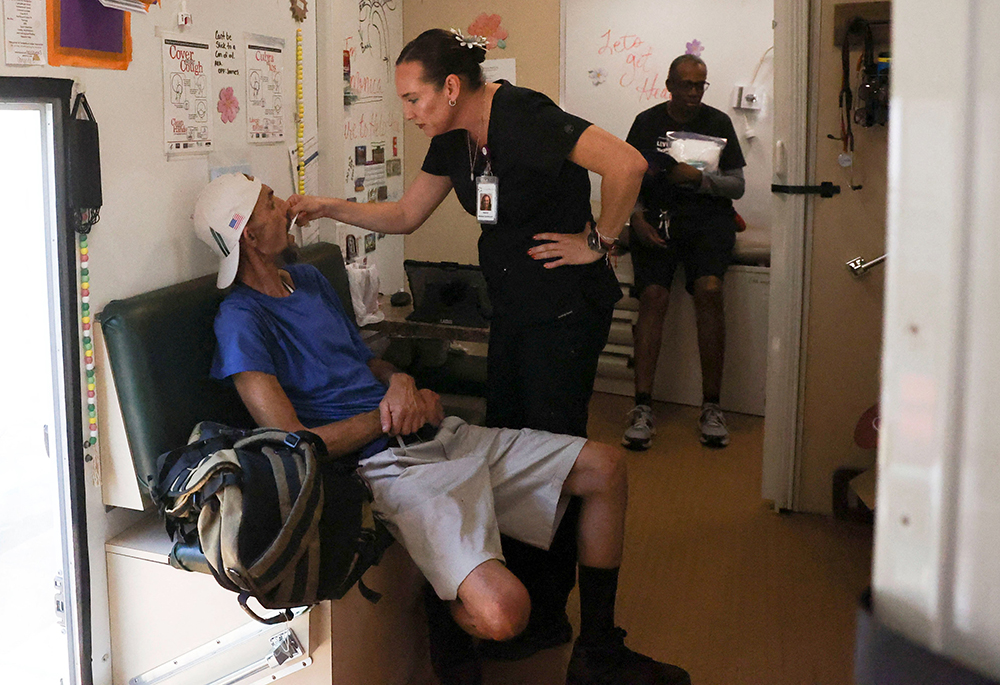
{"type": "Point", "coordinates": [678, 373]}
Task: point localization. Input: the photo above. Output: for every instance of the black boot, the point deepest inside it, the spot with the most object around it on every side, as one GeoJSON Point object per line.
{"type": "Point", "coordinates": [605, 660]}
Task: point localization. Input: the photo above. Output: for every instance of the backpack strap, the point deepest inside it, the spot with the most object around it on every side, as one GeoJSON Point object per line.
{"type": "Point", "coordinates": [282, 616]}
{"type": "Point", "coordinates": [372, 544]}
{"type": "Point", "coordinates": [171, 465]}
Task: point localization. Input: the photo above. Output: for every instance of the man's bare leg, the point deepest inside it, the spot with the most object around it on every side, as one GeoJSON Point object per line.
{"type": "Point", "coordinates": [646, 336]}
{"type": "Point", "coordinates": [600, 654]}
{"type": "Point", "coordinates": [710, 313]}
{"type": "Point", "coordinates": [599, 478]}
{"type": "Point", "coordinates": [492, 603]}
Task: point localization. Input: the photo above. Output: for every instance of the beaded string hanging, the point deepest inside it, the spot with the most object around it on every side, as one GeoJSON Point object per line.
{"type": "Point", "coordinates": [299, 8]}
{"type": "Point", "coordinates": [88, 341]}
{"type": "Point", "coordinates": [300, 116]}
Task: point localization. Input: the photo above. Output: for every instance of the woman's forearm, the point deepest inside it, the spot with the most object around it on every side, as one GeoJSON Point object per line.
{"type": "Point", "coordinates": [380, 217]}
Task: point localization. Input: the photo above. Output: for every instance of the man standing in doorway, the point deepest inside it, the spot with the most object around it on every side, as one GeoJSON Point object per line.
{"type": "Point", "coordinates": [685, 215]}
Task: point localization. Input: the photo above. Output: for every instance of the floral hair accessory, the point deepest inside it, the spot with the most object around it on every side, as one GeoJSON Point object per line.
{"type": "Point", "coordinates": [469, 41]}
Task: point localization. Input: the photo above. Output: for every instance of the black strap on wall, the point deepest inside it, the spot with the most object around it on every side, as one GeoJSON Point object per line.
{"type": "Point", "coordinates": [824, 189]}
{"type": "Point", "coordinates": [84, 167]}
{"type": "Point", "coordinates": [846, 99]}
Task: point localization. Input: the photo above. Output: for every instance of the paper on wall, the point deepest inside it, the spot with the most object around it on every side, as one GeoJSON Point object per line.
{"type": "Point", "coordinates": [265, 100]}
{"type": "Point", "coordinates": [187, 90]}
{"type": "Point", "coordinates": [24, 32]}
{"type": "Point", "coordinates": [496, 69]}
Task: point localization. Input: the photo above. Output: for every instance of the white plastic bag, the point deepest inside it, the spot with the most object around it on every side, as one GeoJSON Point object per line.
{"type": "Point", "coordinates": [364, 292]}
{"type": "Point", "coordinates": [700, 151]}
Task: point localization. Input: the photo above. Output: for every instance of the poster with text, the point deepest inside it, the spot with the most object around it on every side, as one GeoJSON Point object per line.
{"type": "Point", "coordinates": [265, 105]}
{"type": "Point", "coordinates": [24, 32]}
{"type": "Point", "coordinates": [187, 87]}
{"type": "Point", "coordinates": [373, 114]}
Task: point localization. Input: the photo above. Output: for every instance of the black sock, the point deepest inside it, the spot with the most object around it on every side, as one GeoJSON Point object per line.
{"type": "Point", "coordinates": [644, 398]}
{"type": "Point", "coordinates": [714, 399]}
{"type": "Point", "coordinates": [598, 588]}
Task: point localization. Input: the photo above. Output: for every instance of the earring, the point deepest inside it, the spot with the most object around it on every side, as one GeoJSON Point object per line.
{"type": "Point", "coordinates": [452, 103]}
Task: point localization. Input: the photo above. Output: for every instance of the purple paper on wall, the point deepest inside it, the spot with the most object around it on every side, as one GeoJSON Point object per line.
{"type": "Point", "coordinates": [89, 25]}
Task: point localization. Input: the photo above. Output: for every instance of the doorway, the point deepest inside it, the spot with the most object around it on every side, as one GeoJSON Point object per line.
{"type": "Point", "coordinates": [826, 331]}
{"type": "Point", "coordinates": [38, 641]}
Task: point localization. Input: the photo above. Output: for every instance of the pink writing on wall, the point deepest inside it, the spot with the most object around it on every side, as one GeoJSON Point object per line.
{"type": "Point", "coordinates": [371, 125]}
{"type": "Point", "coordinates": [635, 56]}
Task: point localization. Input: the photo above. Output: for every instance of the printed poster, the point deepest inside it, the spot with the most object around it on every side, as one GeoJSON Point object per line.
{"type": "Point", "coordinates": [24, 32]}
{"type": "Point", "coordinates": [265, 106]}
{"type": "Point", "coordinates": [373, 114]}
{"type": "Point", "coordinates": [187, 111]}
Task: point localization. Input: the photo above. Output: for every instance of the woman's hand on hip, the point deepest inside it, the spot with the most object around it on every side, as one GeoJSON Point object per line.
{"type": "Point", "coordinates": [564, 248]}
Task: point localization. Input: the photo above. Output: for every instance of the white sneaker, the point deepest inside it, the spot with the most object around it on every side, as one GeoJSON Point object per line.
{"type": "Point", "coordinates": [639, 434]}
{"type": "Point", "coordinates": [713, 426]}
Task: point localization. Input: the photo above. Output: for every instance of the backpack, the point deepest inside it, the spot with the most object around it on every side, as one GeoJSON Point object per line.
{"type": "Point", "coordinates": [275, 520]}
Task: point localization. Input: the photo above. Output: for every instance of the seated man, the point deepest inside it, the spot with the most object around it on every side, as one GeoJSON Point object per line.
{"type": "Point", "coordinates": [298, 362]}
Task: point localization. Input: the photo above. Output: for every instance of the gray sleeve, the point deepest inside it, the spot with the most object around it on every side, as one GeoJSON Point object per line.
{"type": "Point", "coordinates": [729, 183]}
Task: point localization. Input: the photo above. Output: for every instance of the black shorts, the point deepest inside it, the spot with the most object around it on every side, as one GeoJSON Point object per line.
{"type": "Point", "coordinates": [704, 245]}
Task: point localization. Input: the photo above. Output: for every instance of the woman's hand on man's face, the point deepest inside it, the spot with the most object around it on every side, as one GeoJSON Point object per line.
{"type": "Point", "coordinates": [307, 207]}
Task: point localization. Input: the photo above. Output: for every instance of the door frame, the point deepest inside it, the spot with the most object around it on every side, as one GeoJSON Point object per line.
{"type": "Point", "coordinates": [73, 501]}
{"type": "Point", "coordinates": [792, 214]}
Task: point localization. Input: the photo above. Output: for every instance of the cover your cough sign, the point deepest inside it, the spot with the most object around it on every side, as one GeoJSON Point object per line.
{"type": "Point", "coordinates": [187, 120]}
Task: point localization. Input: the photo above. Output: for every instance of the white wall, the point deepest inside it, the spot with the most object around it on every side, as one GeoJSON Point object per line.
{"type": "Point", "coordinates": [634, 44]}
{"type": "Point", "coordinates": [937, 543]}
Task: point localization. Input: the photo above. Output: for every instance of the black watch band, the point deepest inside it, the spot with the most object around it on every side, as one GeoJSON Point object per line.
{"type": "Point", "coordinates": [594, 242]}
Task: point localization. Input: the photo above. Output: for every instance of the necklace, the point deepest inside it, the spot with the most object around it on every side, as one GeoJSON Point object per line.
{"type": "Point", "coordinates": [474, 149]}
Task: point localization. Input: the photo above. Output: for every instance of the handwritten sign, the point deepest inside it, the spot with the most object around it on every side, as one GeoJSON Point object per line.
{"type": "Point", "coordinates": [373, 117]}
{"type": "Point", "coordinates": [225, 54]}
{"type": "Point", "coordinates": [632, 58]}
{"type": "Point", "coordinates": [187, 121]}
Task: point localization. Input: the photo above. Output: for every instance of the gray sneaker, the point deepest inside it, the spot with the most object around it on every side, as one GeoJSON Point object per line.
{"type": "Point", "coordinates": [713, 426]}
{"type": "Point", "coordinates": [639, 434]}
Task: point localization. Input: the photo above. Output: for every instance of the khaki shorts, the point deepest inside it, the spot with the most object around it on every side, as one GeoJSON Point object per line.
{"type": "Point", "coordinates": [448, 499]}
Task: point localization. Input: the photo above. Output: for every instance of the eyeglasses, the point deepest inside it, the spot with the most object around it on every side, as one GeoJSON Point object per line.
{"type": "Point", "coordinates": [697, 86]}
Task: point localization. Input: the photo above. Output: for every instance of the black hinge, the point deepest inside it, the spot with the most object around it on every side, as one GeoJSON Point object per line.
{"type": "Point", "coordinates": [824, 189]}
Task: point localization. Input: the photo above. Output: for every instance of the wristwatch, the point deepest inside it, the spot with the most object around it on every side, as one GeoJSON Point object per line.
{"type": "Point", "coordinates": [598, 243]}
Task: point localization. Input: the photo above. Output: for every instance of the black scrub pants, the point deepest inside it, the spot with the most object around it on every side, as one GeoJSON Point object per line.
{"type": "Point", "coordinates": [542, 376]}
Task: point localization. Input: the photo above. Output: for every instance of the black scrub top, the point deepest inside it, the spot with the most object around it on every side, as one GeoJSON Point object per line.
{"type": "Point", "coordinates": [648, 134]}
{"type": "Point", "coordinates": [539, 191]}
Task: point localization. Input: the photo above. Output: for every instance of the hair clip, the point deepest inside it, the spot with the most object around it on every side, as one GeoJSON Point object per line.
{"type": "Point", "coordinates": [470, 41]}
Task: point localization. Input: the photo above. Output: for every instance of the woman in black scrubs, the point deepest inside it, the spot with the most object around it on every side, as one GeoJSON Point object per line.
{"type": "Point", "coordinates": [542, 252]}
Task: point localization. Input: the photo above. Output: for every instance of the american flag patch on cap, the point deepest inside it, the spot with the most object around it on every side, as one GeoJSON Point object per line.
{"type": "Point", "coordinates": [237, 218]}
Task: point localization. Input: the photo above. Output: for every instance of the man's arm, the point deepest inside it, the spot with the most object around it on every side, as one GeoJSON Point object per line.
{"type": "Point", "coordinates": [269, 406]}
{"type": "Point", "coordinates": [728, 183]}
{"type": "Point", "coordinates": [404, 409]}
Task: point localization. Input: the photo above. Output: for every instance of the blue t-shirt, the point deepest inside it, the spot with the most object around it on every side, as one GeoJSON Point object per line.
{"type": "Point", "coordinates": [306, 341]}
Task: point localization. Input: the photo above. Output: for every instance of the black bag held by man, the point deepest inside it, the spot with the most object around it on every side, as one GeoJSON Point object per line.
{"type": "Point", "coordinates": [273, 522]}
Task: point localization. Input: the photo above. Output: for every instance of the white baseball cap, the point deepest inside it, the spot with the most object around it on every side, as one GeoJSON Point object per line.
{"type": "Point", "coordinates": [221, 213]}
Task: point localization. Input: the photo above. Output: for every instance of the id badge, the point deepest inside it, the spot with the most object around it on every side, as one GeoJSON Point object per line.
{"type": "Point", "coordinates": [486, 199]}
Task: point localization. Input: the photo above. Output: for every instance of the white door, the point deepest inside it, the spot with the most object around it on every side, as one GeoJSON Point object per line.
{"type": "Point", "coordinates": [38, 632]}
{"type": "Point", "coordinates": [825, 335]}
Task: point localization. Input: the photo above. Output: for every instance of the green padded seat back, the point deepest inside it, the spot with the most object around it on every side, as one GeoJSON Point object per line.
{"type": "Point", "coordinates": [160, 345]}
